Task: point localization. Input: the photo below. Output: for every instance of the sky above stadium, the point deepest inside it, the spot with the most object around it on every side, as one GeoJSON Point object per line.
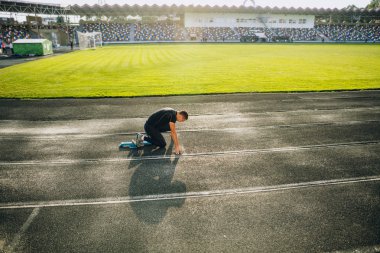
{"type": "Point", "coordinates": [271, 3]}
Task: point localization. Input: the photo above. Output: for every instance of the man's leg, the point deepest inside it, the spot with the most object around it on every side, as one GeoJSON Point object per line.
{"type": "Point", "coordinates": [154, 136]}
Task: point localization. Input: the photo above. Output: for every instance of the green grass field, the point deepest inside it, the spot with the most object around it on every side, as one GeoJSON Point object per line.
{"type": "Point", "coordinates": [145, 70]}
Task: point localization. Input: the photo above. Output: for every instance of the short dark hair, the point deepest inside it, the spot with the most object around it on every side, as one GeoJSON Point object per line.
{"type": "Point", "coordinates": [184, 114]}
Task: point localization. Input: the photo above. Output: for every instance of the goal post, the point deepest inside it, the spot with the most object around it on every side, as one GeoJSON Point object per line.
{"type": "Point", "coordinates": [90, 40]}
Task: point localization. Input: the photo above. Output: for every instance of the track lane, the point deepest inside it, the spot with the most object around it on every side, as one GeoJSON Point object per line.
{"type": "Point", "coordinates": [291, 140]}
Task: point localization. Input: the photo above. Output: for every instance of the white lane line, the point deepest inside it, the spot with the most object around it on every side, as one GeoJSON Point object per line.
{"type": "Point", "coordinates": [235, 129]}
{"type": "Point", "coordinates": [365, 249]}
{"type": "Point", "coordinates": [331, 98]}
{"type": "Point", "coordinates": [227, 114]}
{"type": "Point", "coordinates": [185, 155]}
{"type": "Point", "coordinates": [12, 247]}
{"type": "Point", "coordinates": [200, 194]}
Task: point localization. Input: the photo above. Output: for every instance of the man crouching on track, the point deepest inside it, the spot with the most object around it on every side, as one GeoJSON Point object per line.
{"type": "Point", "coordinates": [161, 121]}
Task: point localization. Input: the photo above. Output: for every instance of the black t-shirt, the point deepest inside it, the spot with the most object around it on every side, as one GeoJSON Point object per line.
{"type": "Point", "coordinates": [160, 119]}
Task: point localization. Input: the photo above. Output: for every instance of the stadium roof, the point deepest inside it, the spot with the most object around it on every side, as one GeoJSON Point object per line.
{"type": "Point", "coordinates": [30, 7]}
{"type": "Point", "coordinates": [122, 10]}
{"type": "Point", "coordinates": [141, 10]}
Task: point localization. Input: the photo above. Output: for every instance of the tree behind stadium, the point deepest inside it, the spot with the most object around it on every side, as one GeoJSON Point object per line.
{"type": "Point", "coordinates": [374, 4]}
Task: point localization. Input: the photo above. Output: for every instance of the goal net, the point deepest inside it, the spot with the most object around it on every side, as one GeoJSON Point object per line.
{"type": "Point", "coordinates": [89, 40]}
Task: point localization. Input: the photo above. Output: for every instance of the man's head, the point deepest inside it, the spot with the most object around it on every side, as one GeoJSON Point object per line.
{"type": "Point", "coordinates": [182, 116]}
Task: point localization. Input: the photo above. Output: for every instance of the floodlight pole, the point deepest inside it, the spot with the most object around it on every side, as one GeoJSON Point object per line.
{"type": "Point", "coordinates": [38, 29]}
{"type": "Point", "coordinates": [67, 29]}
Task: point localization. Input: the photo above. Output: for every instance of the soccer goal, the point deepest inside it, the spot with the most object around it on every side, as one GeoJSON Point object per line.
{"type": "Point", "coordinates": [90, 40]}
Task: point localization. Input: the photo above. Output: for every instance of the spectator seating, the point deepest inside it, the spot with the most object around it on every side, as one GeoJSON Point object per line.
{"type": "Point", "coordinates": [213, 33]}
{"type": "Point", "coordinates": [11, 33]}
{"type": "Point", "coordinates": [294, 34]}
{"type": "Point", "coordinates": [110, 31]}
{"type": "Point", "coordinates": [162, 31]}
{"type": "Point", "coordinates": [350, 32]}
{"type": "Point", "coordinates": [159, 32]}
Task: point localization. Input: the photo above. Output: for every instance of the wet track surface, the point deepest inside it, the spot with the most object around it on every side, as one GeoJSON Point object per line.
{"type": "Point", "coordinates": [260, 173]}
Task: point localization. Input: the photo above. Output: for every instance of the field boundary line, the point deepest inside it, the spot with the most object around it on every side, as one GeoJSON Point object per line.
{"type": "Point", "coordinates": [227, 129]}
{"type": "Point", "coordinates": [12, 247]}
{"type": "Point", "coordinates": [354, 109]}
{"type": "Point", "coordinates": [200, 194]}
{"type": "Point", "coordinates": [364, 249]}
{"type": "Point", "coordinates": [189, 155]}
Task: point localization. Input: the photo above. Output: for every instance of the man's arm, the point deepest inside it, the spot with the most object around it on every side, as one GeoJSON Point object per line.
{"type": "Point", "coordinates": [173, 133]}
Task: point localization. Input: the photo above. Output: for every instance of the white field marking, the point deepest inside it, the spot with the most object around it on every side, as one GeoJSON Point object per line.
{"type": "Point", "coordinates": [365, 96]}
{"type": "Point", "coordinates": [12, 247]}
{"type": "Point", "coordinates": [227, 114]}
{"type": "Point", "coordinates": [232, 129]}
{"type": "Point", "coordinates": [365, 249]}
{"type": "Point", "coordinates": [200, 194]}
{"type": "Point", "coordinates": [346, 109]}
{"type": "Point", "coordinates": [217, 153]}
{"type": "Point", "coordinates": [328, 98]}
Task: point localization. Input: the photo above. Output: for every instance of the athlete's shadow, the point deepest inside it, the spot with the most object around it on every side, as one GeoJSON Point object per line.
{"type": "Point", "coordinates": [154, 177]}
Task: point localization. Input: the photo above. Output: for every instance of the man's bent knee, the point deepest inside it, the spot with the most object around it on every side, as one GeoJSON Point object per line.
{"type": "Point", "coordinates": [162, 144]}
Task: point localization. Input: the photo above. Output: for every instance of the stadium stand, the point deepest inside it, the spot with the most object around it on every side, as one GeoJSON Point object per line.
{"type": "Point", "coordinates": [10, 33]}
{"type": "Point", "coordinates": [296, 34]}
{"type": "Point", "coordinates": [204, 23]}
{"type": "Point", "coordinates": [115, 32]}
{"type": "Point", "coordinates": [110, 31]}
{"type": "Point", "coordinates": [213, 33]}
{"type": "Point", "coordinates": [159, 32]}
{"type": "Point", "coordinates": [350, 32]}
{"type": "Point", "coordinates": [252, 31]}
